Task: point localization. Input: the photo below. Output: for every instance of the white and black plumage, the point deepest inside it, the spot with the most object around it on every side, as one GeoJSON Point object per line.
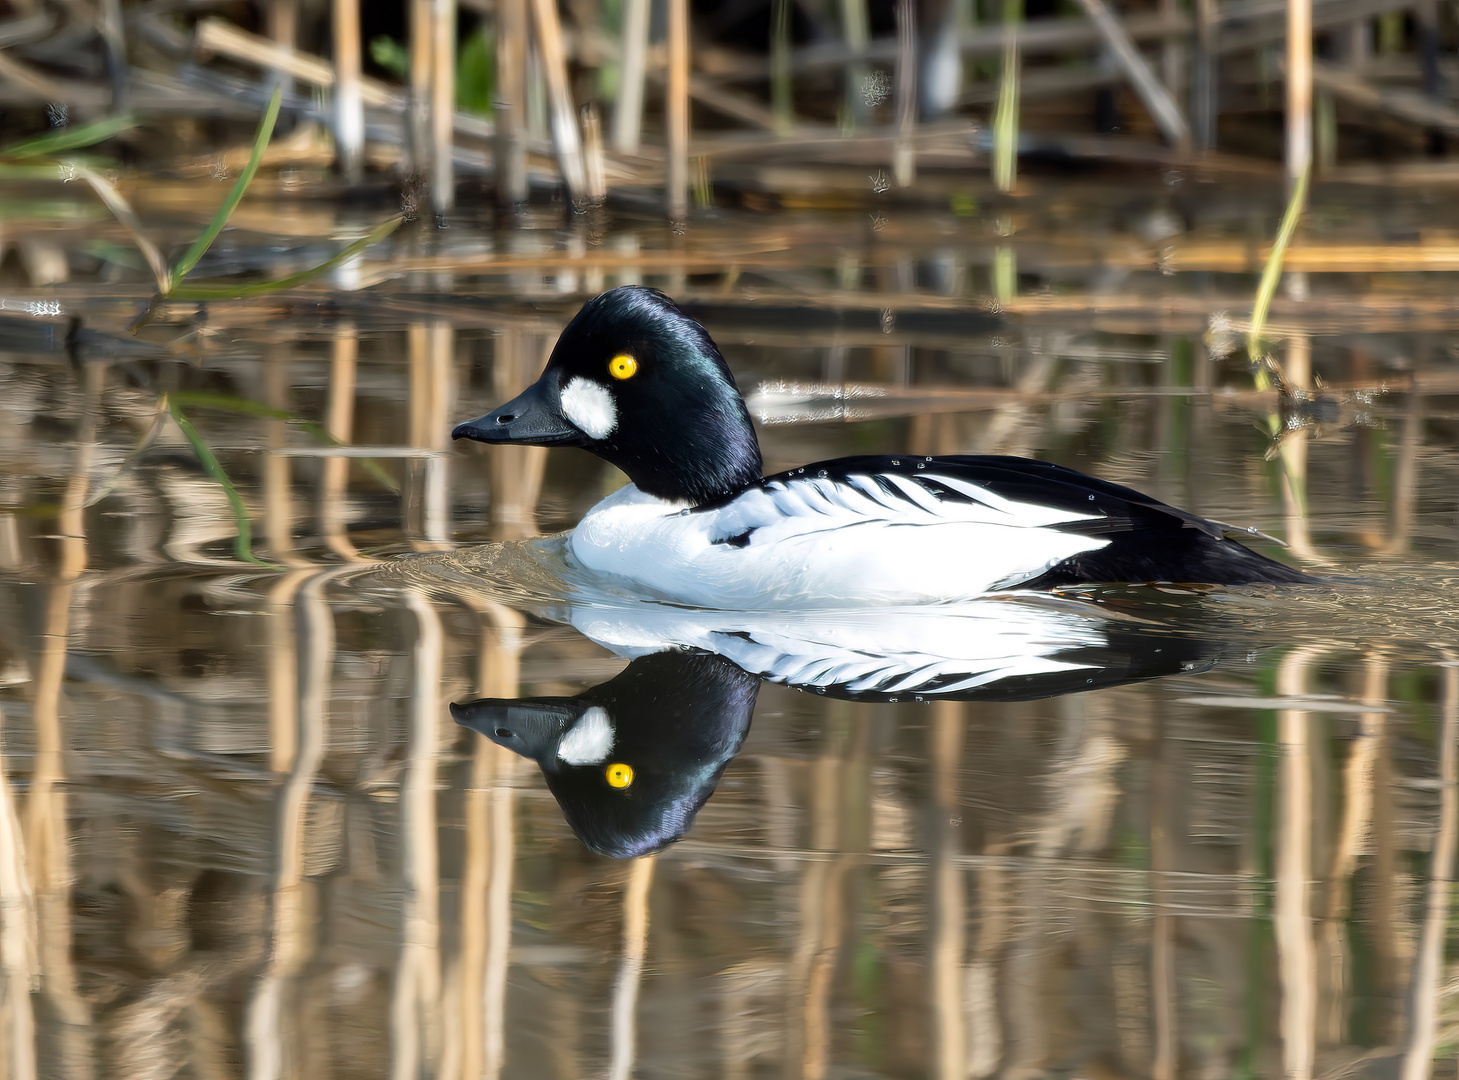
{"type": "Point", "coordinates": [1010, 647]}
{"type": "Point", "coordinates": [632, 760]}
{"type": "Point", "coordinates": [640, 384]}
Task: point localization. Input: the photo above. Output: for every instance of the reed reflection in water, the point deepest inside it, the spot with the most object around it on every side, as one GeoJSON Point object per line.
{"type": "Point", "coordinates": [240, 833]}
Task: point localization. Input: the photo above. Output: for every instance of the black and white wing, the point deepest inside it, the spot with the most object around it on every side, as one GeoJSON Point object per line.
{"type": "Point", "coordinates": [1121, 535]}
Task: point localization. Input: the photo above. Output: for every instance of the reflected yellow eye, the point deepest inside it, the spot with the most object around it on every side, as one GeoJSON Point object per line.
{"type": "Point", "coordinates": [620, 775]}
{"type": "Point", "coordinates": [622, 366]}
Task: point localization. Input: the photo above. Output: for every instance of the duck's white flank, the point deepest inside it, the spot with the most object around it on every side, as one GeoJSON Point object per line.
{"type": "Point", "coordinates": [824, 542]}
{"type": "Point", "coordinates": [590, 407]}
{"type": "Point", "coordinates": [589, 741]}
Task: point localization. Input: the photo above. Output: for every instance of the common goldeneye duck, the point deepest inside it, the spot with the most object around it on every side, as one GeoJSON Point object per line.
{"type": "Point", "coordinates": [639, 383]}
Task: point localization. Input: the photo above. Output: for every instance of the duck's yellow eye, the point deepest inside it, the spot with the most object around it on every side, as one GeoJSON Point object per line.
{"type": "Point", "coordinates": [622, 366]}
{"type": "Point", "coordinates": [619, 775]}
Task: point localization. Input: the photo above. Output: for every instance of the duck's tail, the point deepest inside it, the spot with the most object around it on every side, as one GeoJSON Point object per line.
{"type": "Point", "coordinates": [1148, 540]}
{"type": "Point", "coordinates": [1181, 555]}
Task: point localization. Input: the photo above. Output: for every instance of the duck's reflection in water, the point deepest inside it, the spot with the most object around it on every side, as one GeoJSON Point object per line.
{"type": "Point", "coordinates": [632, 760]}
{"type": "Point", "coordinates": [998, 648]}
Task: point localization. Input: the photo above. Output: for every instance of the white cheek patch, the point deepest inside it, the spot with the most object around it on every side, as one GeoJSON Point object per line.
{"type": "Point", "coordinates": [589, 741]}
{"type": "Point", "coordinates": [590, 407]}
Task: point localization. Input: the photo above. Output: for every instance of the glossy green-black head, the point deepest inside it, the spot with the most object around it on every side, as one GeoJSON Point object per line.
{"type": "Point", "coordinates": [642, 385]}
{"type": "Point", "coordinates": [632, 760]}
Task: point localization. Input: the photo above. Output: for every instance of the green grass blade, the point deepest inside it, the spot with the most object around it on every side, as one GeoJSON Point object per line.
{"type": "Point", "coordinates": [202, 243]}
{"type": "Point", "coordinates": [1005, 273]}
{"type": "Point", "coordinates": [1005, 115]}
{"type": "Point", "coordinates": [68, 138]}
{"type": "Point", "coordinates": [1272, 273]}
{"type": "Point", "coordinates": [244, 290]}
{"type": "Point", "coordinates": [243, 542]}
{"type": "Point", "coordinates": [230, 403]}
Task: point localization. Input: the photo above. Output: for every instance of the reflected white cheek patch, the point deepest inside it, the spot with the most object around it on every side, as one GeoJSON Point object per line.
{"type": "Point", "coordinates": [590, 739]}
{"type": "Point", "coordinates": [590, 407]}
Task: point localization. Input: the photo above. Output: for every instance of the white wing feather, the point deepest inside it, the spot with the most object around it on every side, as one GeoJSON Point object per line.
{"type": "Point", "coordinates": [823, 542]}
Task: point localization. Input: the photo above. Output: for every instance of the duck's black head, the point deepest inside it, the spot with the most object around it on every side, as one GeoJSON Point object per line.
{"type": "Point", "coordinates": [642, 385]}
{"type": "Point", "coordinates": [632, 760]}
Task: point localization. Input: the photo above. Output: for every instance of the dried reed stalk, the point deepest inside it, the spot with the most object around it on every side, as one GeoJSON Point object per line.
{"type": "Point", "coordinates": [349, 106]}
{"type": "Point", "coordinates": [443, 104]}
{"type": "Point", "coordinates": [564, 116]}
{"type": "Point", "coordinates": [628, 111]}
{"type": "Point", "coordinates": [624, 1024]}
{"type": "Point", "coordinates": [283, 29]}
{"type": "Point", "coordinates": [1156, 98]}
{"type": "Point", "coordinates": [422, 55]}
{"type": "Point", "coordinates": [676, 165]}
{"type": "Point", "coordinates": [594, 171]}
{"type": "Point", "coordinates": [781, 85]}
{"type": "Point", "coordinates": [856, 32]}
{"type": "Point", "coordinates": [1428, 969]}
{"type": "Point", "coordinates": [1392, 101]}
{"type": "Point", "coordinates": [904, 158]}
{"type": "Point", "coordinates": [1299, 90]}
{"type": "Point", "coordinates": [415, 1013]}
{"type": "Point", "coordinates": [216, 35]}
{"type": "Point", "coordinates": [1205, 84]}
{"type": "Point", "coordinates": [510, 106]}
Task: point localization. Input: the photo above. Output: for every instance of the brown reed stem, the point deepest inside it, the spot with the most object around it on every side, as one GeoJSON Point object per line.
{"type": "Point", "coordinates": [628, 113]}
{"type": "Point", "coordinates": [510, 106]}
{"type": "Point", "coordinates": [904, 157]}
{"type": "Point", "coordinates": [349, 106]}
{"type": "Point", "coordinates": [564, 117]}
{"type": "Point", "coordinates": [443, 104]}
{"type": "Point", "coordinates": [676, 165]}
{"type": "Point", "coordinates": [1299, 90]}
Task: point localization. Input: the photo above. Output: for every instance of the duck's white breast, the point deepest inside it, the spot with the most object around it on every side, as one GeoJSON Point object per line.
{"type": "Point", "coordinates": [825, 542]}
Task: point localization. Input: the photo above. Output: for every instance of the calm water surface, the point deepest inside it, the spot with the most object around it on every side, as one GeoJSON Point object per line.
{"type": "Point", "coordinates": [240, 832]}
